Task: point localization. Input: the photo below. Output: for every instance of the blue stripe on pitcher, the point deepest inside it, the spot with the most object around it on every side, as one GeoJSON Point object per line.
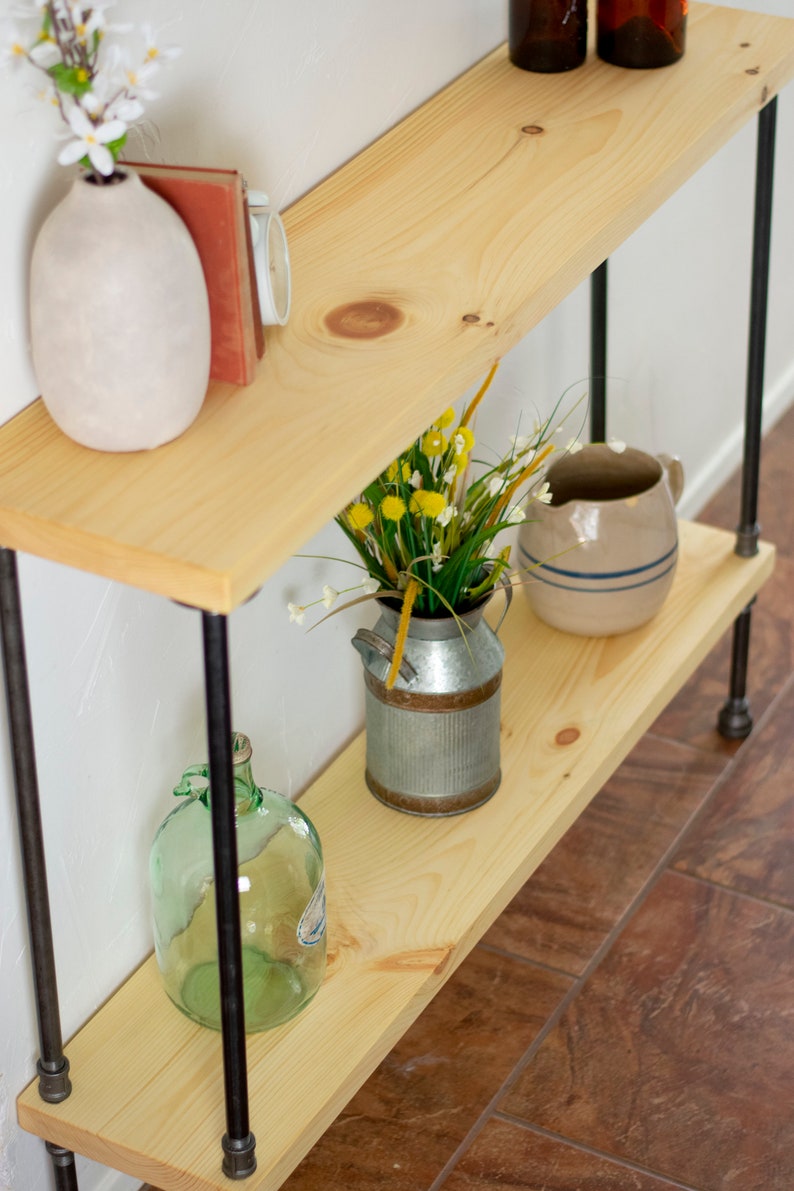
{"type": "Point", "coordinates": [544, 570]}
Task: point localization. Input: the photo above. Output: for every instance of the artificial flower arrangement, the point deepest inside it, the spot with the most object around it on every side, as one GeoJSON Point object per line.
{"type": "Point", "coordinates": [426, 528]}
{"type": "Point", "coordinates": [96, 88]}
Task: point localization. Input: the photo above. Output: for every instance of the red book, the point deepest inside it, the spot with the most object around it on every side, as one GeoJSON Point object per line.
{"type": "Point", "coordinates": [213, 206]}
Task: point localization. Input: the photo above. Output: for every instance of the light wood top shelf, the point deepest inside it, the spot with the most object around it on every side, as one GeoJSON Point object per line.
{"type": "Point", "coordinates": [403, 909]}
{"type": "Point", "coordinates": [415, 266]}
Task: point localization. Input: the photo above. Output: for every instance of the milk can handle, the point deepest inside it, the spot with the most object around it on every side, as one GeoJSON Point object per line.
{"type": "Point", "coordinates": [367, 642]}
{"type": "Point", "coordinates": [508, 586]}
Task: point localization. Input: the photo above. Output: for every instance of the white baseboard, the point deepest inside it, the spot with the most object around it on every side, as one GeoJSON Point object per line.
{"type": "Point", "coordinates": [727, 457]}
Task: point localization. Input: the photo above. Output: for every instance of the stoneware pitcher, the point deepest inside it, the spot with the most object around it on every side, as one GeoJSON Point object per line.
{"type": "Point", "coordinates": [600, 559]}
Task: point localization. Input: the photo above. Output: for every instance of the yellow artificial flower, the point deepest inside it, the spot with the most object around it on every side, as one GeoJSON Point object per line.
{"type": "Point", "coordinates": [392, 508]}
{"type": "Point", "coordinates": [434, 443]}
{"type": "Point", "coordinates": [427, 503]}
{"type": "Point", "coordinates": [397, 469]}
{"type": "Point", "coordinates": [463, 440]}
{"type": "Point", "coordinates": [446, 419]}
{"type": "Point", "coordinates": [359, 515]}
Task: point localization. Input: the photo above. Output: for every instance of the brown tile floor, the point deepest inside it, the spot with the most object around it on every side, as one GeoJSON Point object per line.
{"type": "Point", "coordinates": [627, 1024]}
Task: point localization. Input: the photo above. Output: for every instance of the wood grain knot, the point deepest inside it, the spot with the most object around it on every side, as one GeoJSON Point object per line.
{"type": "Point", "coordinates": [364, 320]}
{"type": "Point", "coordinates": [753, 70]}
{"type": "Point", "coordinates": [567, 736]}
{"type": "Point", "coordinates": [431, 960]}
{"type": "Point", "coordinates": [471, 318]}
{"type": "Point", "coordinates": [744, 45]}
{"type": "Point", "coordinates": [533, 129]}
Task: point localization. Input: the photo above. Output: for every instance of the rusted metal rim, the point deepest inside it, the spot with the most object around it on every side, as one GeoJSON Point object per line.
{"type": "Point", "coordinates": [448, 701]}
{"type": "Point", "coordinates": [430, 806]}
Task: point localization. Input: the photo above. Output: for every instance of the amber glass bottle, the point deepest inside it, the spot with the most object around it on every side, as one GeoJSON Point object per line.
{"type": "Point", "coordinates": [548, 35]}
{"type": "Point", "coordinates": [641, 33]}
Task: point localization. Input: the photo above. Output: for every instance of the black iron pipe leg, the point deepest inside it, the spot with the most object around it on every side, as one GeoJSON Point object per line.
{"type": "Point", "coordinates": [748, 529]}
{"type": "Point", "coordinates": [598, 354]}
{"type": "Point", "coordinates": [239, 1144]}
{"type": "Point", "coordinates": [63, 1167]}
{"type": "Point", "coordinates": [53, 1066]}
{"type": "Point", "coordinates": [735, 721]}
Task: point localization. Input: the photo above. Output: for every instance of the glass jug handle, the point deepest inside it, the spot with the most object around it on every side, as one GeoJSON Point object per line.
{"type": "Point", "coordinates": [188, 788]}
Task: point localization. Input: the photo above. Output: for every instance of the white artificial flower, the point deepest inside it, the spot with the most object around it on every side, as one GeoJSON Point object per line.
{"type": "Point", "coordinates": [520, 443]}
{"type": "Point", "coordinates": [91, 142]}
{"type": "Point", "coordinates": [438, 559]}
{"type": "Point", "coordinates": [155, 50]}
{"type": "Point", "coordinates": [459, 443]}
{"type": "Point", "coordinates": [445, 516]}
{"type": "Point", "coordinates": [86, 21]}
{"type": "Point", "coordinates": [137, 80]}
{"type": "Point", "coordinates": [111, 86]}
{"type": "Point", "coordinates": [416, 479]}
{"type": "Point", "coordinates": [50, 95]}
{"type": "Point", "coordinates": [126, 108]}
{"type": "Point", "coordinates": [297, 613]}
{"type": "Point", "coordinates": [12, 45]}
{"type": "Point", "coordinates": [574, 446]}
{"type": "Point", "coordinates": [98, 21]}
{"type": "Point", "coordinates": [515, 515]}
{"type": "Point", "coordinates": [107, 97]}
{"type": "Point", "coordinates": [330, 595]}
{"type": "Point", "coordinates": [616, 445]}
{"type": "Point", "coordinates": [370, 585]}
{"type": "Point", "coordinates": [45, 53]}
{"type": "Point", "coordinates": [495, 485]}
{"type": "Point", "coordinates": [544, 494]}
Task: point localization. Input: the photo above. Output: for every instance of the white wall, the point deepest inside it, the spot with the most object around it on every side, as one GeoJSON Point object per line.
{"type": "Point", "coordinates": [285, 91]}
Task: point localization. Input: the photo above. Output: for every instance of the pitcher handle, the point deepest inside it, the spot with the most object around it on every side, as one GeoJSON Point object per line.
{"type": "Point", "coordinates": [508, 586]}
{"type": "Point", "coordinates": [367, 642]}
{"type": "Point", "coordinates": [674, 469]}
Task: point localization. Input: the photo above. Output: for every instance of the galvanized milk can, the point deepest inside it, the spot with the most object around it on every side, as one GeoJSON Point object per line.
{"type": "Point", "coordinates": [433, 739]}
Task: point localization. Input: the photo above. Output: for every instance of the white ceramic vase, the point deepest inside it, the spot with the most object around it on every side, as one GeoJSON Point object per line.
{"type": "Point", "coordinates": [120, 326]}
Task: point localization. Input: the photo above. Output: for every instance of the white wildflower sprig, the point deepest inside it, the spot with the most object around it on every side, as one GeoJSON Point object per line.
{"type": "Point", "coordinates": [97, 88]}
{"type": "Point", "coordinates": [297, 612]}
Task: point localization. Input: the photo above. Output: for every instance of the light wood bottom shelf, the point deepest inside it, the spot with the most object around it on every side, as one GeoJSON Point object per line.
{"type": "Point", "coordinates": [407, 899]}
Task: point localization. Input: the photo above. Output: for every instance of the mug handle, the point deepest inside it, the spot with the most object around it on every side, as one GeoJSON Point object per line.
{"type": "Point", "coordinates": [674, 470]}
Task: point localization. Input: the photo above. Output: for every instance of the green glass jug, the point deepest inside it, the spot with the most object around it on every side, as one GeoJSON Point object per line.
{"type": "Point", "coordinates": [281, 889]}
